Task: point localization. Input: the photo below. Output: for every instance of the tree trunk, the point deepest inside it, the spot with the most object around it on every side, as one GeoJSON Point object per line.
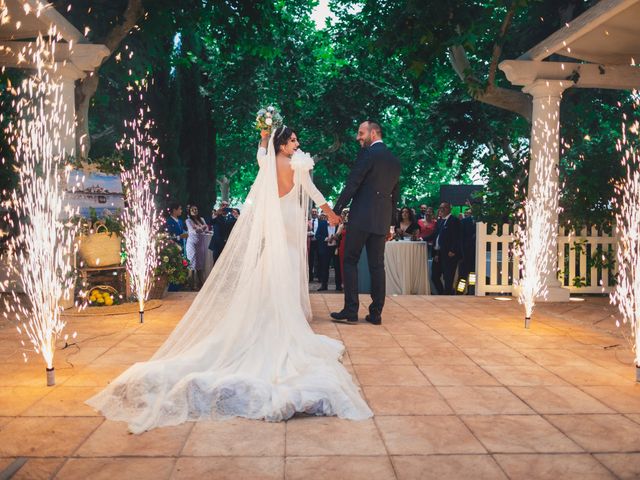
{"type": "Point", "coordinates": [87, 87]}
{"type": "Point", "coordinates": [224, 183]}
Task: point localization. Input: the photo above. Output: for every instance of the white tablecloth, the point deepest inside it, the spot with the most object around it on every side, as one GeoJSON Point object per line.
{"type": "Point", "coordinates": [406, 268]}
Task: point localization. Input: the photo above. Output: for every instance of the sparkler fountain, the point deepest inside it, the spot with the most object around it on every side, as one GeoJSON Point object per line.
{"type": "Point", "coordinates": [626, 294]}
{"type": "Point", "coordinates": [42, 252]}
{"type": "Point", "coordinates": [141, 219]}
{"type": "Point", "coordinates": [536, 239]}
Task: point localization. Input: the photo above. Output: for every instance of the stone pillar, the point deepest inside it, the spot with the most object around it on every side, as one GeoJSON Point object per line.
{"type": "Point", "coordinates": [545, 156]}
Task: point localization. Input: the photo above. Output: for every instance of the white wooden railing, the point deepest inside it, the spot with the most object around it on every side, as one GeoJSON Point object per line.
{"type": "Point", "coordinates": [584, 259]}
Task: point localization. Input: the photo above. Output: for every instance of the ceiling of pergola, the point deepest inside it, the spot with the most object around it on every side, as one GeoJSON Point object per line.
{"type": "Point", "coordinates": [608, 34]}
{"type": "Point", "coordinates": [20, 25]}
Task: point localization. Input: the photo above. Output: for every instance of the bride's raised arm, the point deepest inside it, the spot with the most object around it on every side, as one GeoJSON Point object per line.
{"type": "Point", "coordinates": [262, 148]}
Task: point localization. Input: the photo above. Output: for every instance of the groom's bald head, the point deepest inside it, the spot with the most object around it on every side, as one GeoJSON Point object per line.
{"type": "Point", "coordinates": [369, 132]}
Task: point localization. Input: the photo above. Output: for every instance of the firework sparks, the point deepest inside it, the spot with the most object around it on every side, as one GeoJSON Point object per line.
{"type": "Point", "coordinates": [43, 251]}
{"type": "Point", "coordinates": [538, 218]}
{"type": "Point", "coordinates": [141, 219]}
{"type": "Point", "coordinates": [626, 294]}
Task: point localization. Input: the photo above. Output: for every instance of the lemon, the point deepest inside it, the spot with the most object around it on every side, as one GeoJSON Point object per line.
{"type": "Point", "coordinates": [100, 300]}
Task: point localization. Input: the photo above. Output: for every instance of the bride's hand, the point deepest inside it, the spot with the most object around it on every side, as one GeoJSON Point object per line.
{"type": "Point", "coordinates": [333, 219]}
{"type": "Point", "coordinates": [264, 134]}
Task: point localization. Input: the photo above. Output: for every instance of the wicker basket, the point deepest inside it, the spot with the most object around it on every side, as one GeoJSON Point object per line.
{"type": "Point", "coordinates": [100, 249]}
{"type": "Point", "coordinates": [105, 288]}
{"type": "Point", "coordinates": [159, 287]}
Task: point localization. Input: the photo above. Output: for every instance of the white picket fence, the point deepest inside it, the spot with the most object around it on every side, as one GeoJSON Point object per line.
{"type": "Point", "coordinates": [497, 264]}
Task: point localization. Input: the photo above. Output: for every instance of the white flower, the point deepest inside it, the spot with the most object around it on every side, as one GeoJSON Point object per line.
{"type": "Point", "coordinates": [268, 121]}
{"type": "Point", "coordinates": [270, 109]}
{"type": "Point", "coordinates": [268, 115]}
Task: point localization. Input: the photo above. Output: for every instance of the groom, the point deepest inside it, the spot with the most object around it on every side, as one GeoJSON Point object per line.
{"type": "Point", "coordinates": [372, 188]}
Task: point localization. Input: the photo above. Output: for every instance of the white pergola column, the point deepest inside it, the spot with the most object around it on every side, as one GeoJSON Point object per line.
{"type": "Point", "coordinates": [545, 157]}
{"type": "Point", "coordinates": [66, 75]}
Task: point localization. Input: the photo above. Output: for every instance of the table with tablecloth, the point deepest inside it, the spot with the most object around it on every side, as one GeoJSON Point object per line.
{"type": "Point", "coordinates": [406, 268]}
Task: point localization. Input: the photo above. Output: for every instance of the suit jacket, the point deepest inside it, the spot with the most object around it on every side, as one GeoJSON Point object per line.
{"type": "Point", "coordinates": [321, 235]}
{"type": "Point", "coordinates": [448, 235]}
{"type": "Point", "coordinates": [175, 229]}
{"type": "Point", "coordinates": [468, 227]}
{"type": "Point", "coordinates": [372, 189]}
{"type": "Point", "coordinates": [221, 226]}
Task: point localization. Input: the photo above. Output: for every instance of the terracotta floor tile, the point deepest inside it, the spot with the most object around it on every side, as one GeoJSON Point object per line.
{"type": "Point", "coordinates": [625, 465]}
{"type": "Point", "coordinates": [38, 436]}
{"type": "Point", "coordinates": [67, 401]}
{"type": "Point", "coordinates": [95, 375]}
{"type": "Point", "coordinates": [113, 439]}
{"type": "Point", "coordinates": [379, 356]}
{"type": "Point", "coordinates": [547, 356]}
{"type": "Point", "coordinates": [422, 341]}
{"type": "Point", "coordinates": [236, 437]}
{"type": "Point", "coordinates": [559, 399]}
{"type": "Point", "coordinates": [599, 433]}
{"type": "Point", "coordinates": [229, 468]}
{"type": "Point", "coordinates": [405, 400]}
{"type": "Point", "coordinates": [496, 356]}
{"type": "Point", "coordinates": [117, 467]}
{"type": "Point", "coordinates": [352, 468]}
{"type": "Point", "coordinates": [438, 356]}
{"type": "Point", "coordinates": [423, 435]}
{"type": "Point", "coordinates": [367, 340]}
{"type": "Point", "coordinates": [15, 400]}
{"type": "Point", "coordinates": [524, 376]}
{"type": "Point", "coordinates": [457, 375]}
{"type": "Point", "coordinates": [447, 467]}
{"type": "Point", "coordinates": [318, 436]}
{"type": "Point", "coordinates": [590, 374]}
{"type": "Point", "coordinates": [623, 399]}
{"type": "Point", "coordinates": [553, 467]}
{"type": "Point", "coordinates": [38, 469]}
{"type": "Point", "coordinates": [519, 434]}
{"type": "Point", "coordinates": [467, 400]}
{"type": "Point", "coordinates": [390, 375]}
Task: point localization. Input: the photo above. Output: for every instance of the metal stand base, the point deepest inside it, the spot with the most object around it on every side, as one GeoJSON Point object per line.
{"type": "Point", "coordinates": [527, 322]}
{"type": "Point", "coordinates": [141, 317]}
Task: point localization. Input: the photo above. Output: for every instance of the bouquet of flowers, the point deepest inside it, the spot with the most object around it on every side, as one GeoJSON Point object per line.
{"type": "Point", "coordinates": [268, 118]}
{"type": "Point", "coordinates": [172, 262]}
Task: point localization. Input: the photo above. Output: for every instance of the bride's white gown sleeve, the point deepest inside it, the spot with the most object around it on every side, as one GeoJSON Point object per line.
{"type": "Point", "coordinates": [245, 348]}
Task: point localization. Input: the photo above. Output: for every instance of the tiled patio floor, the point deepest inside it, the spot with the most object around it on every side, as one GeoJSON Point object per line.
{"type": "Point", "coordinates": [459, 388]}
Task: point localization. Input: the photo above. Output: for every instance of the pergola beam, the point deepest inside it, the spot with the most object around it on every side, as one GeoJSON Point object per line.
{"type": "Point", "coordinates": [580, 26]}
{"type": "Point", "coordinates": [580, 75]}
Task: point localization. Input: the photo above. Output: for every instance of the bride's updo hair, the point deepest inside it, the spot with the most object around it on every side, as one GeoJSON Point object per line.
{"type": "Point", "coordinates": [281, 137]}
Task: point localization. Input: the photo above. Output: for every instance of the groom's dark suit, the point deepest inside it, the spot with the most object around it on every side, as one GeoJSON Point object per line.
{"type": "Point", "coordinates": [372, 188]}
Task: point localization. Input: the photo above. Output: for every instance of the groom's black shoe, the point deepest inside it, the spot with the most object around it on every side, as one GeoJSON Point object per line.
{"type": "Point", "coordinates": [343, 317]}
{"type": "Point", "coordinates": [374, 319]}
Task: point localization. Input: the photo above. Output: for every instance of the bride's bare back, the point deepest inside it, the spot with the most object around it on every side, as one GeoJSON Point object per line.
{"type": "Point", "coordinates": [285, 175]}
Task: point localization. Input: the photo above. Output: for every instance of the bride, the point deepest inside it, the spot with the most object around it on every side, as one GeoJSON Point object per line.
{"type": "Point", "coordinates": [245, 348]}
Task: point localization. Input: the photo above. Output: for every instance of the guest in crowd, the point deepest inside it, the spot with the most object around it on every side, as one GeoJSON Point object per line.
{"type": "Point", "coordinates": [341, 234]}
{"type": "Point", "coordinates": [468, 228]}
{"type": "Point", "coordinates": [423, 212]}
{"type": "Point", "coordinates": [406, 226]}
{"type": "Point", "coordinates": [235, 212]}
{"type": "Point", "coordinates": [428, 226]}
{"type": "Point", "coordinates": [446, 250]}
{"type": "Point", "coordinates": [322, 235]}
{"type": "Point", "coordinates": [222, 223]}
{"type": "Point", "coordinates": [334, 261]}
{"type": "Point", "coordinates": [175, 226]}
{"type": "Point", "coordinates": [312, 228]}
{"type": "Point", "coordinates": [196, 227]}
{"type": "Point", "coordinates": [176, 230]}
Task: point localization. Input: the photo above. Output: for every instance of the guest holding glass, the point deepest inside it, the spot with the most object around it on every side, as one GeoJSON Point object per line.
{"type": "Point", "coordinates": [406, 226]}
{"type": "Point", "coordinates": [428, 226]}
{"type": "Point", "coordinates": [196, 249]}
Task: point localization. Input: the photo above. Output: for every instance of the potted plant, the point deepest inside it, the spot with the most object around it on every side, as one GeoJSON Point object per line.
{"type": "Point", "coordinates": [172, 267]}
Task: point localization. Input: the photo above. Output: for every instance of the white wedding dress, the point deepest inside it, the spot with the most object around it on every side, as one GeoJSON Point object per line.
{"type": "Point", "coordinates": [245, 348]}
